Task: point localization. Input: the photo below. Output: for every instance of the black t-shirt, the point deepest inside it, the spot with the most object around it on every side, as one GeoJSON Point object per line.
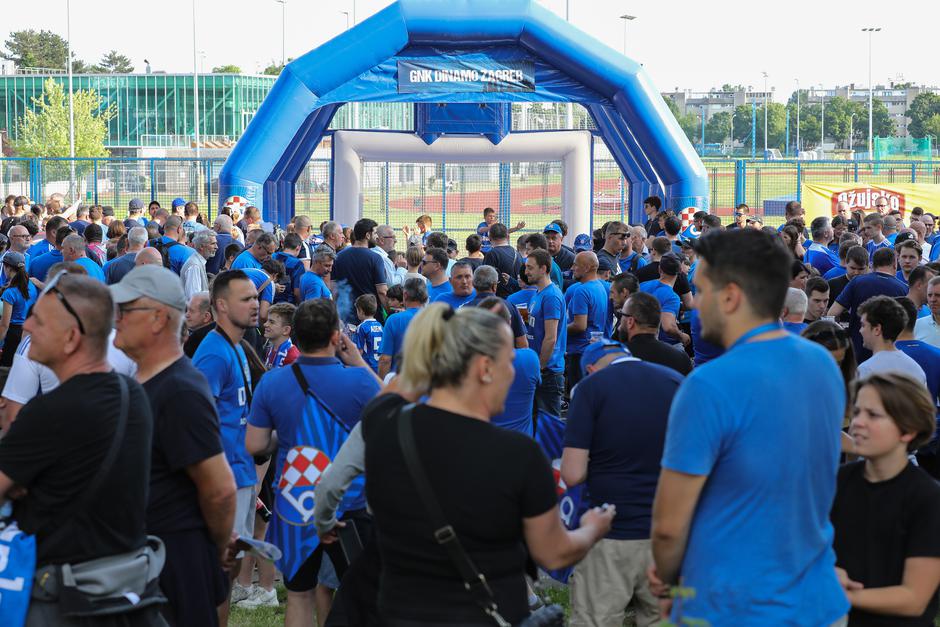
{"type": "Point", "coordinates": [54, 449]}
{"type": "Point", "coordinates": [195, 339]}
{"type": "Point", "coordinates": [185, 432]}
{"type": "Point", "coordinates": [878, 526]}
{"type": "Point", "coordinates": [564, 259]}
{"type": "Point", "coordinates": [473, 261]}
{"type": "Point", "coordinates": [515, 318]}
{"type": "Point", "coordinates": [836, 286]}
{"type": "Point", "coordinates": [650, 272]}
{"type": "Point", "coordinates": [506, 260]}
{"type": "Point", "coordinates": [360, 270]}
{"type": "Point", "coordinates": [486, 480]}
{"type": "Point", "coordinates": [648, 348]}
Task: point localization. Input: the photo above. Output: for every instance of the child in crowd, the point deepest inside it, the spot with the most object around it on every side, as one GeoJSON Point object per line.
{"type": "Point", "coordinates": [395, 299]}
{"type": "Point", "coordinates": [886, 511]}
{"type": "Point", "coordinates": [369, 332]}
{"type": "Point", "coordinates": [277, 331]}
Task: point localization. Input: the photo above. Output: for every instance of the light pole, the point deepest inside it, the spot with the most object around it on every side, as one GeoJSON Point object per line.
{"type": "Point", "coordinates": [871, 30]}
{"type": "Point", "coordinates": [68, 63]}
{"type": "Point", "coordinates": [195, 82]}
{"type": "Point", "coordinates": [569, 108]}
{"type": "Point", "coordinates": [851, 133]}
{"type": "Point", "coordinates": [626, 18]}
{"type": "Point", "coordinates": [797, 118]}
{"type": "Point", "coordinates": [283, 4]}
{"type": "Point", "coordinates": [822, 122]}
{"type": "Point", "coordinates": [731, 132]}
{"type": "Point", "coordinates": [766, 114]}
{"type": "Point", "coordinates": [346, 13]}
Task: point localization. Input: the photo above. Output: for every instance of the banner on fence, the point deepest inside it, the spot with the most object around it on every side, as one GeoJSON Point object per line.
{"type": "Point", "coordinates": [820, 199]}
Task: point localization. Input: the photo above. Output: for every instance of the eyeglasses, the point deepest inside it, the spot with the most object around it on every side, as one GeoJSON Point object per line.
{"type": "Point", "coordinates": [121, 310]}
{"type": "Point", "coordinates": [620, 235]}
{"type": "Point", "coordinates": [51, 288]}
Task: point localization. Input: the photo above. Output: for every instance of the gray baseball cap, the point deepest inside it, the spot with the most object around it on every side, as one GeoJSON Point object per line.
{"type": "Point", "coordinates": [155, 282]}
{"type": "Point", "coordinates": [135, 203]}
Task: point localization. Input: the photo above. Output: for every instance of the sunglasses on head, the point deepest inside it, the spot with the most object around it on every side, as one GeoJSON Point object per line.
{"type": "Point", "coordinates": [51, 288]}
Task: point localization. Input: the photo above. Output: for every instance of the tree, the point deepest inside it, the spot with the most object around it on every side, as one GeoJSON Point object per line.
{"type": "Point", "coordinates": [274, 69]}
{"type": "Point", "coordinates": [45, 49]}
{"type": "Point", "coordinates": [728, 87]}
{"type": "Point", "coordinates": [932, 127]}
{"type": "Point", "coordinates": [113, 63]}
{"type": "Point", "coordinates": [227, 69]}
{"type": "Point", "coordinates": [923, 108]}
{"type": "Point", "coordinates": [44, 130]}
{"type": "Point", "coordinates": [718, 128]}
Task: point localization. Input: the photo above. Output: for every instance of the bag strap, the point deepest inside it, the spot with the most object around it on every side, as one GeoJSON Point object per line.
{"type": "Point", "coordinates": [249, 393]}
{"type": "Point", "coordinates": [80, 503]}
{"type": "Point", "coordinates": [473, 580]}
{"type": "Point", "coordinates": [305, 388]}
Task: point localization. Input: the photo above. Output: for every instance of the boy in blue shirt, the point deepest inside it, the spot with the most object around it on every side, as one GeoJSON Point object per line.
{"type": "Point", "coordinates": [278, 329]}
{"type": "Point", "coordinates": [369, 332]}
{"type": "Point", "coordinates": [546, 335]}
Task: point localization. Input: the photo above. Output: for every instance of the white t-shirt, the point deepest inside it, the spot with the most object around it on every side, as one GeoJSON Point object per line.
{"type": "Point", "coordinates": [927, 330]}
{"type": "Point", "coordinates": [892, 361]}
{"type": "Point", "coordinates": [28, 378]}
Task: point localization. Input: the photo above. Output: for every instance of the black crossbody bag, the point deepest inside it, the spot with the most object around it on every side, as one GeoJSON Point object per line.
{"type": "Point", "coordinates": [473, 580]}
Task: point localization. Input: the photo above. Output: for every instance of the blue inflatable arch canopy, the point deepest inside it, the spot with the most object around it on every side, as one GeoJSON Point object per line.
{"type": "Point", "coordinates": [464, 51]}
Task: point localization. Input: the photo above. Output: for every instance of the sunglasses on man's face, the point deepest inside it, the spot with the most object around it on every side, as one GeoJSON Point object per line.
{"type": "Point", "coordinates": [51, 288]}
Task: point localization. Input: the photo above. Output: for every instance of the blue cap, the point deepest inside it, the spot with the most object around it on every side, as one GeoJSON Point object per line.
{"type": "Point", "coordinates": [596, 350]}
{"type": "Point", "coordinates": [178, 202]}
{"type": "Point", "coordinates": [552, 228]}
{"type": "Point", "coordinates": [135, 203]}
{"type": "Point", "coordinates": [583, 242]}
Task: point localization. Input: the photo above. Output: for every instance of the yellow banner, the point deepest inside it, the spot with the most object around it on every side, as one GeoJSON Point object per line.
{"type": "Point", "coordinates": [821, 199]}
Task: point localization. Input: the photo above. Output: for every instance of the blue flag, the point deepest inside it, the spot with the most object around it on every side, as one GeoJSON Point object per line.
{"type": "Point", "coordinates": [306, 450]}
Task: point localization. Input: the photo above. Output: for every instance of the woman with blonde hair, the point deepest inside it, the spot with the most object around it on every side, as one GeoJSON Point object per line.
{"type": "Point", "coordinates": [452, 492]}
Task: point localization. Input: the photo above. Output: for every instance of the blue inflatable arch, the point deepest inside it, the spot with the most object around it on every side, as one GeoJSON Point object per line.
{"type": "Point", "coordinates": [566, 65]}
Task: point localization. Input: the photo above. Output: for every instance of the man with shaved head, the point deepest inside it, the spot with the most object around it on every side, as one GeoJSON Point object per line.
{"type": "Point", "coordinates": [586, 304]}
{"type": "Point", "coordinates": [148, 257]}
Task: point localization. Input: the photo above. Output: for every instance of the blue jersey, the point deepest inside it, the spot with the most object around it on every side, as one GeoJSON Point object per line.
{"type": "Point", "coordinates": [177, 253]}
{"type": "Point", "coordinates": [393, 335]}
{"type": "Point", "coordinates": [41, 264]}
{"type": "Point", "coordinates": [484, 236]}
{"type": "Point", "coordinates": [294, 271]}
{"type": "Point", "coordinates": [226, 369]}
{"type": "Point", "coordinates": [369, 340]}
{"type": "Point", "coordinates": [259, 278]}
{"type": "Point", "coordinates": [245, 260]}
{"type": "Point", "coordinates": [835, 272]}
{"type": "Point", "coordinates": [668, 301]}
{"type": "Point", "coordinates": [522, 297]}
{"type": "Point", "coordinates": [14, 297]}
{"type": "Point", "coordinates": [627, 263]}
{"type": "Point", "coordinates": [517, 409]}
{"type": "Point", "coordinates": [758, 519]}
{"type": "Point", "coordinates": [453, 300]}
{"type": "Point", "coordinates": [93, 269]}
{"type": "Point", "coordinates": [436, 290]}
{"type": "Point", "coordinates": [313, 286]}
{"type": "Point", "coordinates": [821, 258]}
{"type": "Point", "coordinates": [548, 304]}
{"type": "Point", "coordinates": [927, 357]}
{"type": "Point", "coordinates": [587, 299]}
{"type": "Point", "coordinates": [871, 247]}
{"type": "Point", "coordinates": [40, 248]}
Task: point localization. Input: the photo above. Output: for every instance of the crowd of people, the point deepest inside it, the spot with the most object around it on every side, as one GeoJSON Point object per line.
{"type": "Point", "coordinates": [748, 415]}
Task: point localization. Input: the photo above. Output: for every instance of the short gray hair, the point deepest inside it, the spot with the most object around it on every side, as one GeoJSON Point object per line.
{"type": "Point", "coordinates": [201, 238]}
{"type": "Point", "coordinates": [331, 227]}
{"type": "Point", "coordinates": [485, 278]}
{"type": "Point", "coordinates": [796, 301]}
{"type": "Point", "coordinates": [322, 253]}
{"type": "Point", "coordinates": [222, 224]}
{"type": "Point", "coordinates": [137, 236]}
{"type": "Point", "coordinates": [74, 242]}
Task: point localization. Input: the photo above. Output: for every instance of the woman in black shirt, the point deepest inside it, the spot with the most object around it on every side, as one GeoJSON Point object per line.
{"type": "Point", "coordinates": [495, 487]}
{"type": "Point", "coordinates": [886, 512]}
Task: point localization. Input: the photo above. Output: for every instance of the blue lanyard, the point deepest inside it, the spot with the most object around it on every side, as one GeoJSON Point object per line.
{"type": "Point", "coordinates": [758, 330]}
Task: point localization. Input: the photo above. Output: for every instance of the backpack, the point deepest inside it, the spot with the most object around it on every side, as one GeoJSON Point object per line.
{"type": "Point", "coordinates": [164, 249]}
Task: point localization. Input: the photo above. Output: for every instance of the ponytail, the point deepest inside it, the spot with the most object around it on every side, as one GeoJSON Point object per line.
{"type": "Point", "coordinates": [440, 343]}
{"type": "Point", "coordinates": [19, 279]}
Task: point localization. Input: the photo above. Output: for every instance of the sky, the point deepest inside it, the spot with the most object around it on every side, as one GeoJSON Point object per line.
{"type": "Point", "coordinates": [684, 45]}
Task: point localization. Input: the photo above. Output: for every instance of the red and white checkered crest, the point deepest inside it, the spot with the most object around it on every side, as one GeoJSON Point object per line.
{"type": "Point", "coordinates": [303, 467]}
{"type": "Point", "coordinates": [686, 216]}
{"type": "Point", "coordinates": [237, 203]}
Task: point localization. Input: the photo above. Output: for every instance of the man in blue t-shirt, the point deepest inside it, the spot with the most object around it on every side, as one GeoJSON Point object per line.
{"type": "Point", "coordinates": [727, 515]}
{"type": "Point", "coordinates": [547, 336]}
{"type": "Point", "coordinates": [265, 245]}
{"type": "Point", "coordinates": [926, 356]}
{"type": "Point", "coordinates": [874, 229]}
{"type": "Point", "coordinates": [176, 252]}
{"type": "Point", "coordinates": [434, 268]}
{"type": "Point", "coordinates": [414, 297]}
{"type": "Point", "coordinates": [357, 271]}
{"type": "Point", "coordinates": [880, 282]}
{"type": "Point", "coordinates": [615, 447]}
{"type": "Point", "coordinates": [293, 268]}
{"type": "Point", "coordinates": [818, 254]}
{"type": "Point", "coordinates": [586, 305]}
{"type": "Point", "coordinates": [333, 387]}
{"type": "Point", "coordinates": [663, 290]}
{"type": "Point", "coordinates": [49, 243]}
{"type": "Point", "coordinates": [222, 360]}
{"type": "Point", "coordinates": [73, 250]}
{"type": "Point", "coordinates": [313, 282]}
{"type": "Point", "coordinates": [461, 287]}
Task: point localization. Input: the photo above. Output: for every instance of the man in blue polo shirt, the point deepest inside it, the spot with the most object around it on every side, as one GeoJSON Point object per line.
{"type": "Point", "coordinates": [260, 251]}
{"type": "Point", "coordinates": [313, 283]}
{"type": "Point", "coordinates": [222, 360]}
{"type": "Point", "coordinates": [663, 290]}
{"type": "Point", "coordinates": [313, 404]}
{"type": "Point", "coordinates": [461, 286]}
{"type": "Point", "coordinates": [818, 254]}
{"type": "Point", "coordinates": [586, 303]}
{"type": "Point", "coordinates": [547, 335]}
{"type": "Point", "coordinates": [434, 269]}
{"type": "Point", "coordinates": [176, 252]}
{"type": "Point", "coordinates": [615, 447]}
{"type": "Point", "coordinates": [880, 282]}
{"type": "Point", "coordinates": [49, 243]}
{"type": "Point", "coordinates": [73, 250]}
{"type": "Point", "coordinates": [414, 297]}
{"type": "Point", "coordinates": [874, 230]}
{"type": "Point", "coordinates": [717, 522]}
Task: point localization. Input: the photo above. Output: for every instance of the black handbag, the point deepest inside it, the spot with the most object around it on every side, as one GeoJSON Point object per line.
{"type": "Point", "coordinates": [444, 534]}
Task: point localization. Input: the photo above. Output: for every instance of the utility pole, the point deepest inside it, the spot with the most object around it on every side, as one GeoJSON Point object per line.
{"type": "Point", "coordinates": [797, 118]}
{"type": "Point", "coordinates": [283, 4]}
{"type": "Point", "coordinates": [195, 83]}
{"type": "Point", "coordinates": [68, 62]}
{"type": "Point", "coordinates": [871, 30]}
{"type": "Point", "coordinates": [766, 114]}
{"type": "Point", "coordinates": [626, 18]}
